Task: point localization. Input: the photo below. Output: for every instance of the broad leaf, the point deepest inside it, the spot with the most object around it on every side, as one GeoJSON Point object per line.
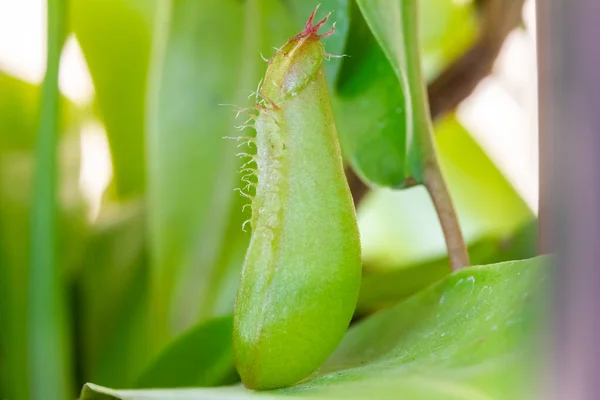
{"type": "Point", "coordinates": [369, 110]}
{"type": "Point", "coordinates": [468, 336]}
{"type": "Point", "coordinates": [380, 83]}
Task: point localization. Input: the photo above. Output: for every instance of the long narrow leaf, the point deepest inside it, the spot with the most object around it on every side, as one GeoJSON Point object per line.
{"type": "Point", "coordinates": [49, 358]}
{"type": "Point", "coordinates": [18, 105]}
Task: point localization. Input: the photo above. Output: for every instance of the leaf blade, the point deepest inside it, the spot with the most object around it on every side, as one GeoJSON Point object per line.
{"type": "Point", "coordinates": [48, 326]}
{"type": "Point", "coordinates": [380, 104]}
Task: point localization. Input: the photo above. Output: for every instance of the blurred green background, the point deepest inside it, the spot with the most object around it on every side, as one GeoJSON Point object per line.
{"type": "Point", "coordinates": [137, 265]}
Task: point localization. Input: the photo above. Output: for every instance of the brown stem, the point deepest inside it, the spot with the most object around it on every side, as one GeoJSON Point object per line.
{"type": "Point", "coordinates": [457, 82]}
{"type": "Point", "coordinates": [438, 191]}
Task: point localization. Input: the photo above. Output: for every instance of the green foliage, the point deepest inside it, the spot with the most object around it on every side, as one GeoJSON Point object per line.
{"type": "Point", "coordinates": [467, 336]}
{"type": "Point", "coordinates": [142, 295]}
{"type": "Point", "coordinates": [363, 104]}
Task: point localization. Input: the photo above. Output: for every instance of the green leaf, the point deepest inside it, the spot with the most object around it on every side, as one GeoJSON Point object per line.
{"type": "Point", "coordinates": [395, 27]}
{"type": "Point", "coordinates": [48, 330]}
{"type": "Point", "coordinates": [379, 82]}
{"type": "Point", "coordinates": [369, 109]}
{"type": "Point", "coordinates": [471, 335]}
{"type": "Point", "coordinates": [115, 39]}
{"type": "Point", "coordinates": [200, 357]}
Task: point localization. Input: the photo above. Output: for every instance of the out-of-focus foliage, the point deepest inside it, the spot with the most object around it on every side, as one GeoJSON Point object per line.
{"type": "Point", "coordinates": [49, 349]}
{"type": "Point", "coordinates": [19, 102]}
{"type": "Point", "coordinates": [151, 280]}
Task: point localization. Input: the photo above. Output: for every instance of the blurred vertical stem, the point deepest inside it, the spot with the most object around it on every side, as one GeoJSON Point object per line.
{"type": "Point", "coordinates": [416, 93]}
{"type": "Point", "coordinates": [49, 353]}
{"type": "Point", "coordinates": [158, 330]}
